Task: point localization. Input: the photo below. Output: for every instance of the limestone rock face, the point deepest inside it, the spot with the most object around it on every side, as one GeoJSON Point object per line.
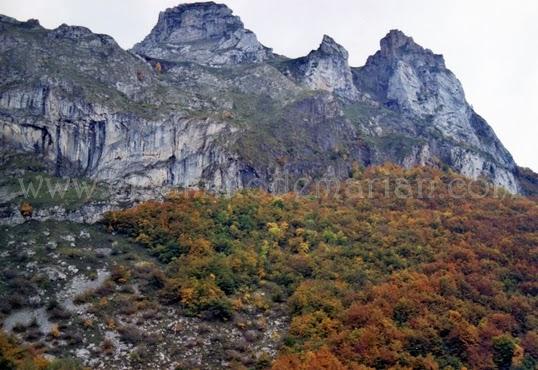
{"type": "Point", "coordinates": [205, 33]}
{"type": "Point", "coordinates": [415, 83]}
{"type": "Point", "coordinates": [326, 69]}
{"type": "Point", "coordinates": [76, 99]}
{"type": "Point", "coordinates": [222, 112]}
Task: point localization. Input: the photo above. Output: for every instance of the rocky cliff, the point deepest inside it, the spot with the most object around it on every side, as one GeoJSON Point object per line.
{"type": "Point", "coordinates": [200, 102]}
{"type": "Point", "coordinates": [326, 69]}
{"type": "Point", "coordinates": [414, 82]}
{"type": "Point", "coordinates": [205, 33]}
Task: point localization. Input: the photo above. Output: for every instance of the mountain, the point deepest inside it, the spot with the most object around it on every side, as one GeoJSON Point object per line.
{"type": "Point", "coordinates": [130, 237]}
{"type": "Point", "coordinates": [200, 102]}
{"type": "Point", "coordinates": [205, 33]}
{"type": "Point", "coordinates": [416, 83]}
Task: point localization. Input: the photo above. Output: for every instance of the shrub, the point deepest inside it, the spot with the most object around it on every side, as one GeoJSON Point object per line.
{"type": "Point", "coordinates": [107, 346]}
{"type": "Point", "coordinates": [26, 209]}
{"type": "Point", "coordinates": [220, 309]}
{"type": "Point", "coordinates": [59, 313]}
{"type": "Point", "coordinates": [389, 282]}
{"type": "Point", "coordinates": [120, 274]}
{"type": "Point", "coordinates": [65, 364]}
{"type": "Point", "coordinates": [131, 334]}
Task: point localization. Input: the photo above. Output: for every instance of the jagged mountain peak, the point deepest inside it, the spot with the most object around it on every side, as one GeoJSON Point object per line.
{"type": "Point", "coordinates": [325, 68]}
{"type": "Point", "coordinates": [399, 52]}
{"type": "Point", "coordinates": [72, 32]}
{"type": "Point", "coordinates": [218, 19]}
{"type": "Point", "coordinates": [330, 47]}
{"type": "Point", "coordinates": [7, 21]}
{"type": "Point", "coordinates": [205, 33]}
{"type": "Point", "coordinates": [75, 31]}
{"type": "Point", "coordinates": [396, 46]}
{"type": "Point", "coordinates": [415, 83]}
{"type": "Point", "coordinates": [85, 36]}
{"type": "Point", "coordinates": [396, 39]}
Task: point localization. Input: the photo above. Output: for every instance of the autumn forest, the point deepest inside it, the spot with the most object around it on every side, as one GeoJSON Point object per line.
{"type": "Point", "coordinates": [437, 282]}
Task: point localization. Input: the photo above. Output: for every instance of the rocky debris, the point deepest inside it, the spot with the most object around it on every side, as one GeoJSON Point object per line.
{"type": "Point", "coordinates": [205, 33]}
{"type": "Point", "coordinates": [28, 317]}
{"type": "Point", "coordinates": [86, 214]}
{"type": "Point", "coordinates": [77, 311]}
{"type": "Point", "coordinates": [69, 238]}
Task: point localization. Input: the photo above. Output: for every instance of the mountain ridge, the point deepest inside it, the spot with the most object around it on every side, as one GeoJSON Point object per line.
{"type": "Point", "coordinates": [200, 102]}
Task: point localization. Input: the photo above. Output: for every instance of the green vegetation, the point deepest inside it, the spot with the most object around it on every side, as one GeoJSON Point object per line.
{"type": "Point", "coordinates": [528, 180]}
{"type": "Point", "coordinates": [431, 281]}
{"type": "Point", "coordinates": [394, 145]}
{"type": "Point", "coordinates": [14, 355]}
{"type": "Point", "coordinates": [27, 180]}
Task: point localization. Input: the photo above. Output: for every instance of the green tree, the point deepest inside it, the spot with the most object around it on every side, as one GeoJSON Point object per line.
{"type": "Point", "coordinates": [503, 351]}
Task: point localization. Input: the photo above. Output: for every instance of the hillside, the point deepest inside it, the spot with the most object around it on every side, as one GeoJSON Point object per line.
{"type": "Point", "coordinates": [374, 279]}
{"type": "Point", "coordinates": [359, 275]}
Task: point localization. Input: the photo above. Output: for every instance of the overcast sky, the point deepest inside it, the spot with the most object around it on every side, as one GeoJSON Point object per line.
{"type": "Point", "coordinates": [491, 45]}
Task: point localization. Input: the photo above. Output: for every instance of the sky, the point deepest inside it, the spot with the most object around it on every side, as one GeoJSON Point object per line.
{"type": "Point", "coordinates": [490, 45]}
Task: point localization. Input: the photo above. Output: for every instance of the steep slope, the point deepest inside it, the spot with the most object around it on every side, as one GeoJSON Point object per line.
{"type": "Point", "coordinates": [528, 181]}
{"type": "Point", "coordinates": [414, 82]}
{"type": "Point", "coordinates": [93, 109]}
{"type": "Point", "coordinates": [201, 103]}
{"type": "Point", "coordinates": [374, 282]}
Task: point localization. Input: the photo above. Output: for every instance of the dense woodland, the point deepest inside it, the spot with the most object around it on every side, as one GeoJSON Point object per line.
{"type": "Point", "coordinates": [379, 280]}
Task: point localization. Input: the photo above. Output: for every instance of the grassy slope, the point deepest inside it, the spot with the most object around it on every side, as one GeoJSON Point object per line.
{"type": "Point", "coordinates": [23, 172]}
